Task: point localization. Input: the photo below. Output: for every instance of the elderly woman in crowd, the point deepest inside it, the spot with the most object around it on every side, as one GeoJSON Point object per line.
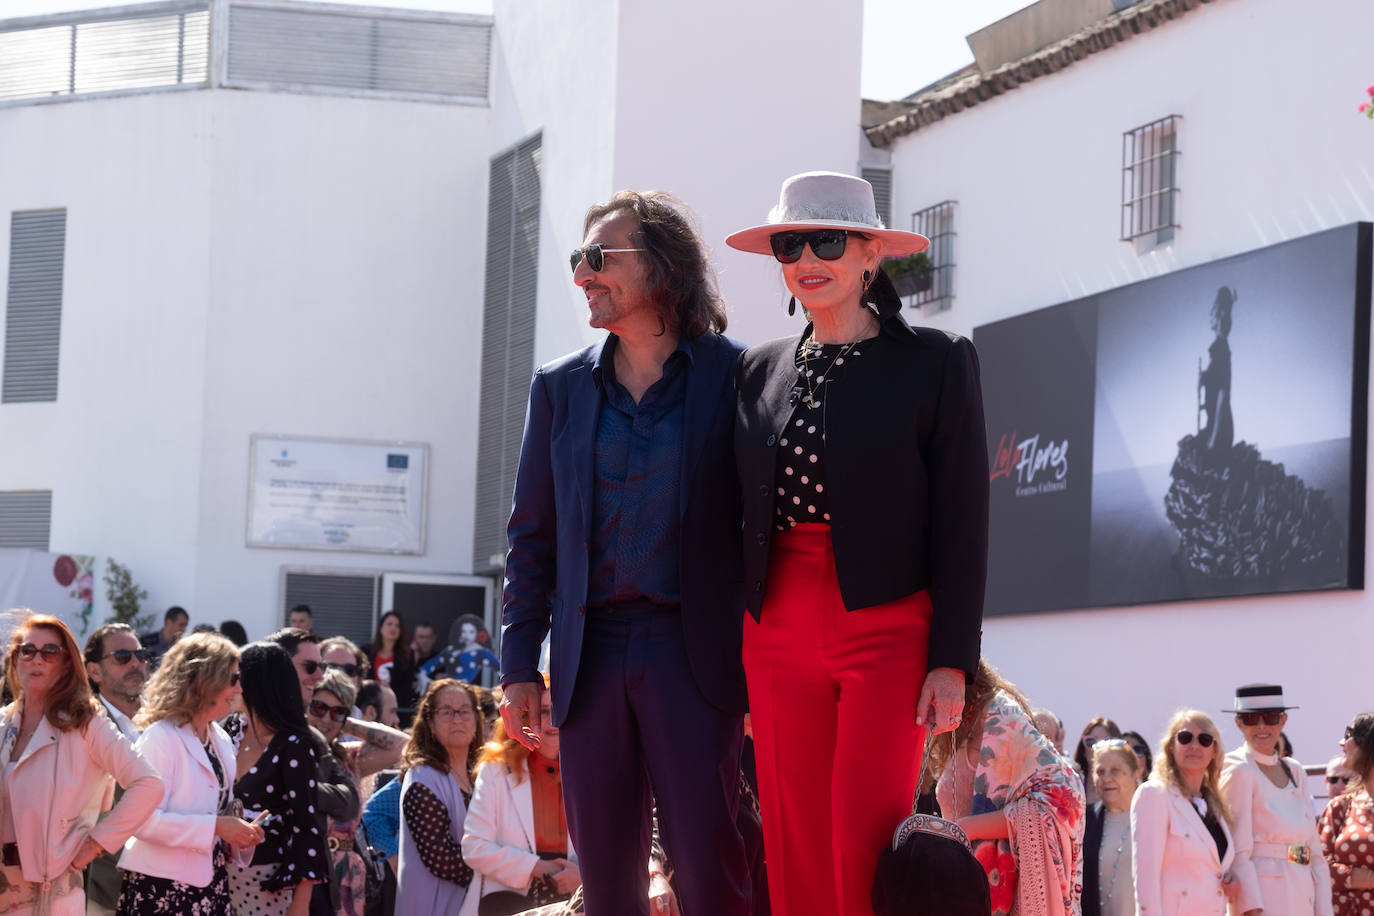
{"type": "Point", "coordinates": [177, 861]}
{"type": "Point", "coordinates": [515, 836]}
{"type": "Point", "coordinates": [1279, 862]}
{"type": "Point", "coordinates": [1016, 797]}
{"type": "Point", "coordinates": [276, 768]}
{"type": "Point", "coordinates": [862, 459]}
{"type": "Point", "coordinates": [1107, 882]}
{"type": "Point", "coordinates": [1099, 729]}
{"type": "Point", "coordinates": [1180, 837]}
{"type": "Point", "coordinates": [328, 713]}
{"type": "Point", "coordinates": [57, 757]}
{"type": "Point", "coordinates": [439, 762]}
{"type": "Point", "coordinates": [1347, 825]}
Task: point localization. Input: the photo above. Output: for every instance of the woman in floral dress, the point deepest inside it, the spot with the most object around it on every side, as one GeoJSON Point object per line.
{"type": "Point", "coordinates": [1019, 800]}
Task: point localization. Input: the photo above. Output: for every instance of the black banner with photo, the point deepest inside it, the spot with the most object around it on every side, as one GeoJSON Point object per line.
{"type": "Point", "coordinates": [1196, 435]}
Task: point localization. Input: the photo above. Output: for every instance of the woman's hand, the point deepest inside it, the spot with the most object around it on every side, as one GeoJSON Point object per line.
{"type": "Point", "coordinates": [300, 900]}
{"type": "Point", "coordinates": [941, 705]}
{"type": "Point", "coordinates": [1230, 887]}
{"type": "Point", "coordinates": [662, 900]}
{"type": "Point", "coordinates": [567, 880]}
{"type": "Point", "coordinates": [86, 853]}
{"type": "Point", "coordinates": [237, 832]}
{"type": "Point", "coordinates": [546, 868]}
{"type": "Point", "coordinates": [1361, 878]}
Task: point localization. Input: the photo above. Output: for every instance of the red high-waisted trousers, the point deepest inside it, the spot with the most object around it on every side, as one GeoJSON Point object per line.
{"type": "Point", "coordinates": [832, 696]}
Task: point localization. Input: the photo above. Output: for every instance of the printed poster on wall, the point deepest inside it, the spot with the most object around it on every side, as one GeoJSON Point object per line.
{"type": "Point", "coordinates": [320, 494]}
{"type": "Point", "coordinates": [1196, 435]}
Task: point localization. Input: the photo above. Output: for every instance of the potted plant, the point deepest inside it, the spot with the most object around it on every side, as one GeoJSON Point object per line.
{"type": "Point", "coordinates": [911, 274]}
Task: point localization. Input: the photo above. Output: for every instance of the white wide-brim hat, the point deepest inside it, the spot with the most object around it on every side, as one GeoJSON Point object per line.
{"type": "Point", "coordinates": [826, 200]}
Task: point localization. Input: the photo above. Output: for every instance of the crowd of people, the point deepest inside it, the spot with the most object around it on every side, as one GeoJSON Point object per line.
{"type": "Point", "coordinates": [759, 575]}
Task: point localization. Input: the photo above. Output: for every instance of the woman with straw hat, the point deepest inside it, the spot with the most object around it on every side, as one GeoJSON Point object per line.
{"type": "Point", "coordinates": [862, 457]}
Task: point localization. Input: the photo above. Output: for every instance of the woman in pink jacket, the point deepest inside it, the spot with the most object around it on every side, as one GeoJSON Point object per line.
{"type": "Point", "coordinates": [1182, 847]}
{"type": "Point", "coordinates": [57, 757]}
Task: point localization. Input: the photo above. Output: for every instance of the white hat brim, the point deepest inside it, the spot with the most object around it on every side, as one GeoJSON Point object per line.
{"type": "Point", "coordinates": [896, 242]}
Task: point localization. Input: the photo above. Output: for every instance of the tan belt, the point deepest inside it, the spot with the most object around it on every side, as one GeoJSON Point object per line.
{"type": "Point", "coordinates": [1296, 853]}
{"type": "Point", "coordinates": [22, 894]}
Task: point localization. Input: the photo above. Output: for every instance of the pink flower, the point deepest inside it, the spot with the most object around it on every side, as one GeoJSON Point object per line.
{"type": "Point", "coordinates": [1370, 90]}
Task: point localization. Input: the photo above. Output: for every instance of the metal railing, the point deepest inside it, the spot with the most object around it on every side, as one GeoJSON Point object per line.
{"type": "Point", "coordinates": [273, 45]}
{"type": "Point", "coordinates": [1149, 179]}
{"type": "Point", "coordinates": [936, 292]}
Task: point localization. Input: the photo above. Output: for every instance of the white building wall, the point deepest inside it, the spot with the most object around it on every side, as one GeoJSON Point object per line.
{"type": "Point", "coordinates": [1272, 149]}
{"type": "Point", "coordinates": [242, 262]}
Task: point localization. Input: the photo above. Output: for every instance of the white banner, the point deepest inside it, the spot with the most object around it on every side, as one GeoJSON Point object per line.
{"type": "Point", "coordinates": [59, 584]}
{"type": "Point", "coordinates": [318, 494]}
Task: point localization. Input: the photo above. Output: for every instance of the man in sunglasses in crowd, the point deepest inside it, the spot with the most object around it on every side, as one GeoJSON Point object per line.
{"type": "Point", "coordinates": [625, 541]}
{"type": "Point", "coordinates": [117, 667]}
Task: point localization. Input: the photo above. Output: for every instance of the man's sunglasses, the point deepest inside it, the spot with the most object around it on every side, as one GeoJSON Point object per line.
{"type": "Point", "coordinates": [1332, 780]}
{"type": "Point", "coordinates": [828, 244]}
{"type": "Point", "coordinates": [349, 669]}
{"type": "Point", "coordinates": [51, 653]}
{"type": "Point", "coordinates": [311, 666]}
{"type": "Point", "coordinates": [124, 656]}
{"type": "Point", "coordinates": [595, 255]}
{"type": "Point", "coordinates": [319, 710]}
{"type": "Point", "coordinates": [1268, 717]}
{"type": "Point", "coordinates": [1203, 739]}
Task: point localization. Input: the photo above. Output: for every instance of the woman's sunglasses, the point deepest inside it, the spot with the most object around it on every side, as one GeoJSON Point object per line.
{"type": "Point", "coordinates": [1268, 717]}
{"type": "Point", "coordinates": [319, 710]}
{"type": "Point", "coordinates": [1186, 737]}
{"type": "Point", "coordinates": [595, 255]}
{"type": "Point", "coordinates": [50, 652]}
{"type": "Point", "coordinates": [1332, 780]}
{"type": "Point", "coordinates": [828, 244]}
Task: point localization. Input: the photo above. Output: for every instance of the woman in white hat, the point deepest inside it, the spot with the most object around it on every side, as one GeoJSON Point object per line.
{"type": "Point", "coordinates": [862, 457]}
{"type": "Point", "coordinates": [1279, 861]}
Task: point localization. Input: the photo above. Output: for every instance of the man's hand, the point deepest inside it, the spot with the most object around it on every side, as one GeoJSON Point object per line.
{"type": "Point", "coordinates": [662, 900]}
{"type": "Point", "coordinates": [520, 712]}
{"type": "Point", "coordinates": [941, 706]}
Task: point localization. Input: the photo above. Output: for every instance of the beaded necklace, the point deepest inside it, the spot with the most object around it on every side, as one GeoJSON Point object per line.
{"type": "Point", "coordinates": [1120, 847]}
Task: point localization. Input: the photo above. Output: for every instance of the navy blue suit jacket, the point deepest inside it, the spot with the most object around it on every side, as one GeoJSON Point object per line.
{"type": "Point", "coordinates": [551, 523]}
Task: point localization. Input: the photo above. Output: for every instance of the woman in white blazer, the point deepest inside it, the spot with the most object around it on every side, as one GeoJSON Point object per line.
{"type": "Point", "coordinates": [1279, 860]}
{"type": "Point", "coordinates": [176, 862]}
{"type": "Point", "coordinates": [515, 836]}
{"type": "Point", "coordinates": [1182, 848]}
{"type": "Point", "coordinates": [57, 757]}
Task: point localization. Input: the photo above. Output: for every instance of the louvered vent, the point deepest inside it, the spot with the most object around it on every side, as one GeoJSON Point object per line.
{"type": "Point", "coordinates": [166, 45]}
{"type": "Point", "coordinates": [33, 310]}
{"type": "Point", "coordinates": [881, 179]}
{"type": "Point", "coordinates": [304, 48]}
{"type": "Point", "coordinates": [341, 604]}
{"type": "Point", "coordinates": [26, 519]}
{"type": "Point", "coordinates": [507, 340]}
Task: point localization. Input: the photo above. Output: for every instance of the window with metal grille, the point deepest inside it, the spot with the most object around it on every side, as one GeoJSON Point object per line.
{"type": "Point", "coordinates": [880, 176]}
{"type": "Point", "coordinates": [33, 310]}
{"type": "Point", "coordinates": [931, 286]}
{"type": "Point", "coordinates": [342, 602]}
{"type": "Point", "coordinates": [68, 55]}
{"type": "Point", "coordinates": [26, 519]}
{"type": "Point", "coordinates": [507, 341]}
{"type": "Point", "coordinates": [438, 56]}
{"type": "Point", "coordinates": [1149, 181]}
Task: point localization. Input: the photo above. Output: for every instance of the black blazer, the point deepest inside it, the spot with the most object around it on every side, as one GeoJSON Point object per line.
{"type": "Point", "coordinates": [1092, 840]}
{"type": "Point", "coordinates": [551, 522]}
{"type": "Point", "coordinates": [906, 471]}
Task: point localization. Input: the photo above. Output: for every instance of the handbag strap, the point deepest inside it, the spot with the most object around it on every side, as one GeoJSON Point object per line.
{"type": "Point", "coordinates": [925, 769]}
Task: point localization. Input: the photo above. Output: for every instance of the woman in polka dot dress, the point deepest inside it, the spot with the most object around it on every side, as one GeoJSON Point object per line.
{"type": "Point", "coordinates": [276, 765]}
{"type": "Point", "coordinates": [862, 459]}
{"type": "Point", "coordinates": [1347, 825]}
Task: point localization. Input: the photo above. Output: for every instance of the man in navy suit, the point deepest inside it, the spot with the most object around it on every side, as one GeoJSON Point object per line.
{"type": "Point", "coordinates": [625, 541]}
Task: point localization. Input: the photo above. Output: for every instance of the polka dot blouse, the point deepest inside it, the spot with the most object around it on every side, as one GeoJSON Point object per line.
{"type": "Point", "coordinates": [283, 782]}
{"type": "Point", "coordinates": [1347, 832]}
{"type": "Point", "coordinates": [800, 477]}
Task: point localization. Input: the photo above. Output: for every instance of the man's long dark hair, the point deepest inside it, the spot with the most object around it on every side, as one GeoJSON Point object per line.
{"type": "Point", "coordinates": [679, 275]}
{"type": "Point", "coordinates": [271, 687]}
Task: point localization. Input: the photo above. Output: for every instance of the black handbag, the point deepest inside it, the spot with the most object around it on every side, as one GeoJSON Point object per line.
{"type": "Point", "coordinates": [929, 868]}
